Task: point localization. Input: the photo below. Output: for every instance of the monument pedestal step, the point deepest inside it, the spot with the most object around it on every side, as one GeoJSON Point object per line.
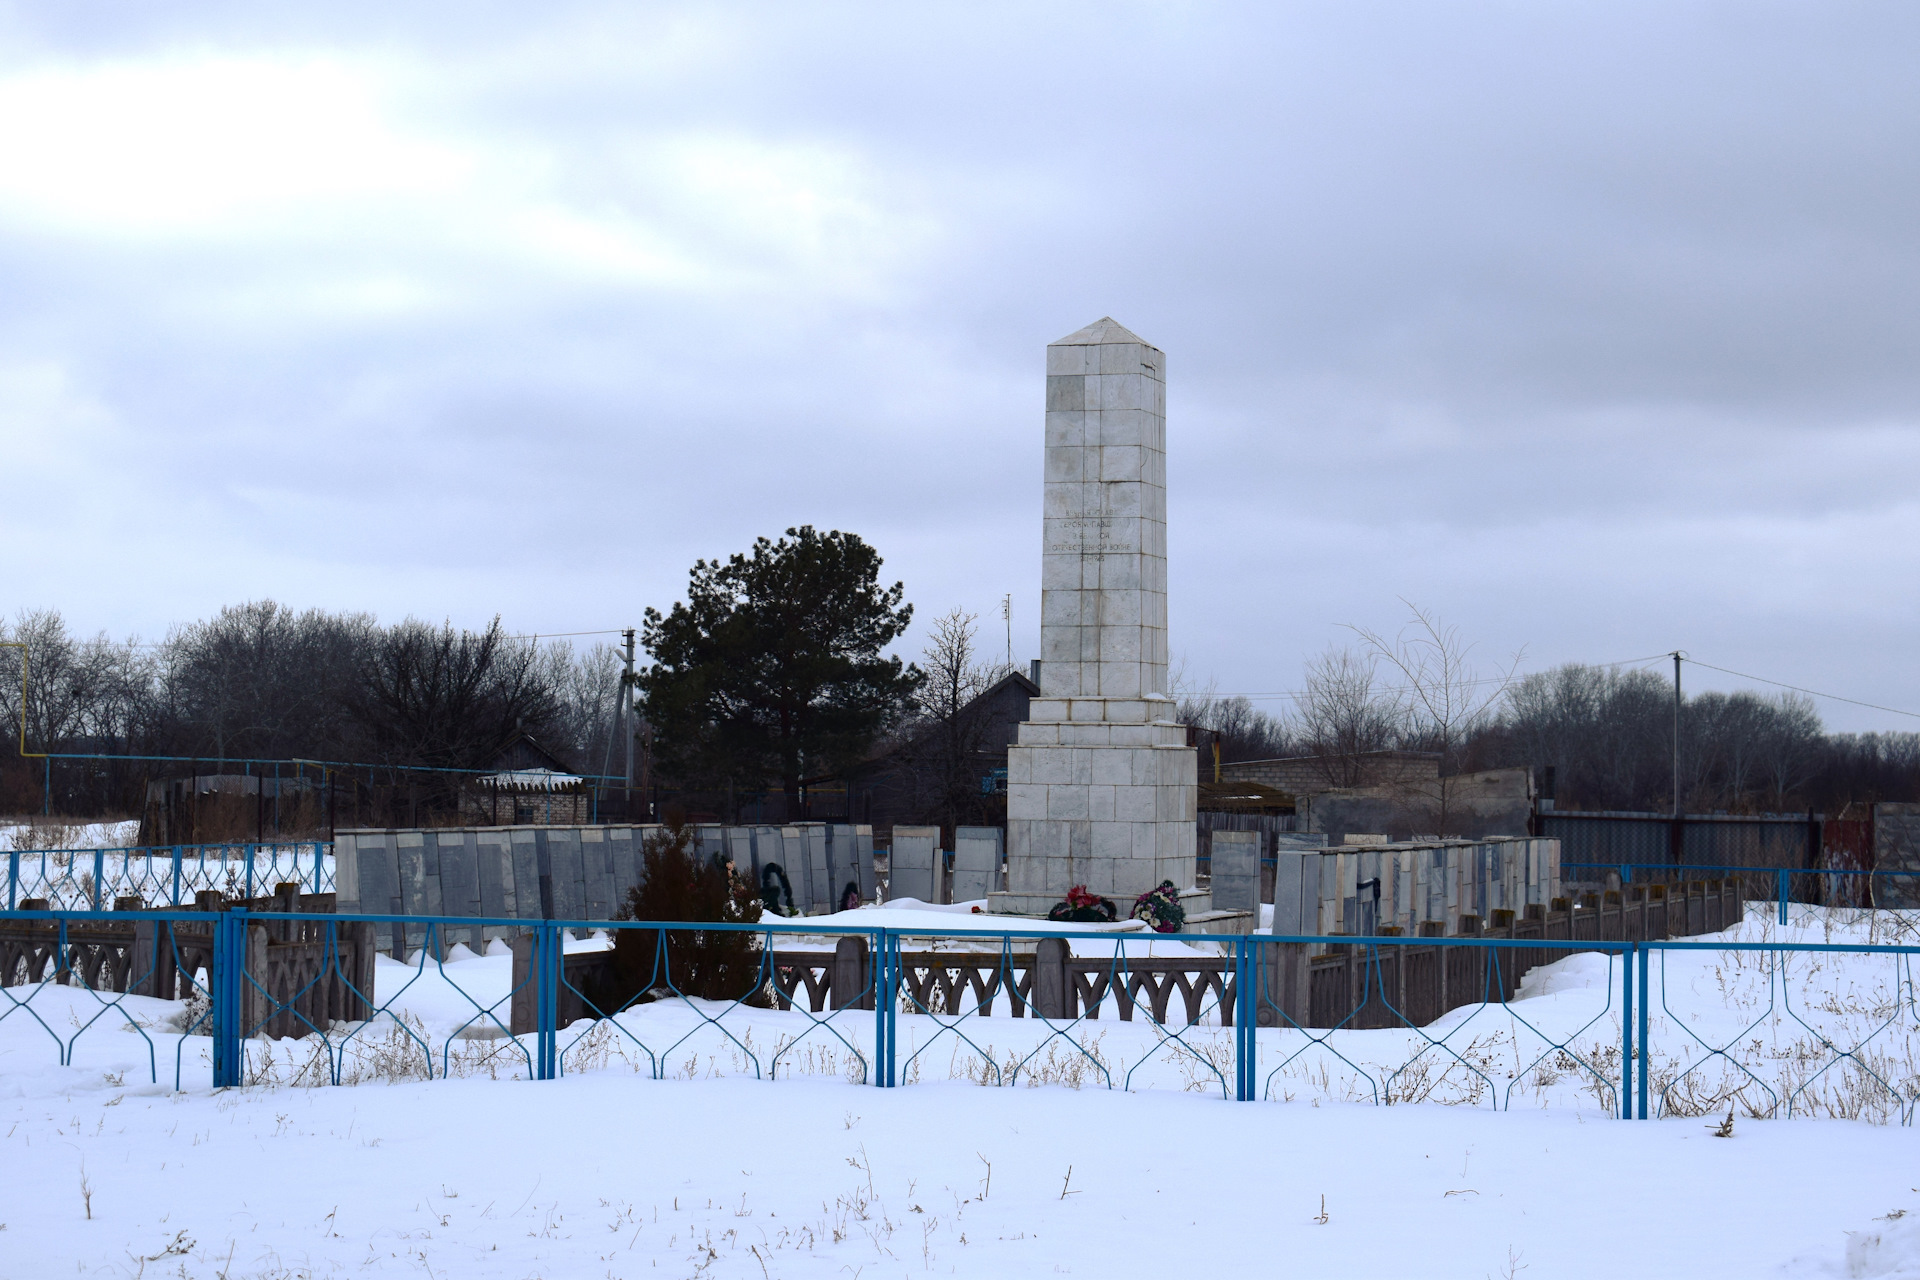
{"type": "Point", "coordinates": [1197, 903]}
{"type": "Point", "coordinates": [1221, 922]}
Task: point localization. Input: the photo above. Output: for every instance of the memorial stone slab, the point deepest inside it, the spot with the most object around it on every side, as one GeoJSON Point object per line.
{"type": "Point", "coordinates": [493, 863]}
{"type": "Point", "coordinates": [843, 860]}
{"type": "Point", "coordinates": [1296, 894]}
{"type": "Point", "coordinates": [459, 886]}
{"type": "Point", "coordinates": [740, 851]}
{"type": "Point", "coordinates": [596, 873]}
{"type": "Point", "coordinates": [818, 870]}
{"type": "Point", "coordinates": [623, 851]}
{"type": "Point", "coordinates": [793, 859]}
{"type": "Point", "coordinates": [531, 885]}
{"type": "Point", "coordinates": [346, 871]}
{"type": "Point", "coordinates": [976, 862]}
{"type": "Point", "coordinates": [913, 864]}
{"type": "Point", "coordinates": [563, 863]}
{"type": "Point", "coordinates": [1236, 871]}
{"type": "Point", "coordinates": [419, 885]}
{"type": "Point", "coordinates": [863, 851]}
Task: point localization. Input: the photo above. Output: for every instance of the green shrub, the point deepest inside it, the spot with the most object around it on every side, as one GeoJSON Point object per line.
{"type": "Point", "coordinates": [678, 885]}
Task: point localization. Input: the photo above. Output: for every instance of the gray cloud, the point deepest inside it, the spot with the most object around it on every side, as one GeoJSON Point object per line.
{"type": "Point", "coordinates": [1589, 326]}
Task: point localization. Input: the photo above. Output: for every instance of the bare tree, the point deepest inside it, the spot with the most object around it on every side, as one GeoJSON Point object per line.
{"type": "Point", "coordinates": [1345, 714]}
{"type": "Point", "coordinates": [77, 691]}
{"type": "Point", "coordinates": [1447, 700]}
{"type": "Point", "coordinates": [1608, 733]}
{"type": "Point", "coordinates": [586, 693]}
{"type": "Point", "coordinates": [945, 743]}
{"type": "Point", "coordinates": [259, 680]}
{"type": "Point", "coordinates": [1790, 747]}
{"type": "Point", "coordinates": [1239, 729]}
{"type": "Point", "coordinates": [1605, 730]}
{"type": "Point", "coordinates": [448, 698]}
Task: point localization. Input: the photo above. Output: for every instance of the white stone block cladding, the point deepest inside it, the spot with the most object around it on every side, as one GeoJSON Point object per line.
{"type": "Point", "coordinates": [1103, 565]}
{"type": "Point", "coordinates": [1101, 785]}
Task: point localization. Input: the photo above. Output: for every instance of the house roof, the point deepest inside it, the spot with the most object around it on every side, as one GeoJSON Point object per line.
{"type": "Point", "coordinates": [525, 752]}
{"type": "Point", "coordinates": [532, 780]}
{"type": "Point", "coordinates": [1016, 678]}
{"type": "Point", "coordinates": [1244, 797]}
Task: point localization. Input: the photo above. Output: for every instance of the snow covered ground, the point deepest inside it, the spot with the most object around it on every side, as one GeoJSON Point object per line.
{"type": "Point", "coordinates": [614, 1175]}
{"type": "Point", "coordinates": [45, 833]}
{"type": "Point", "coordinates": [712, 1171]}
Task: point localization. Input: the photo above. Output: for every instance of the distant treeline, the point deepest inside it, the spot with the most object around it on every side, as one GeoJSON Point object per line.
{"type": "Point", "coordinates": [265, 682]}
{"type": "Point", "coordinates": [1606, 733]}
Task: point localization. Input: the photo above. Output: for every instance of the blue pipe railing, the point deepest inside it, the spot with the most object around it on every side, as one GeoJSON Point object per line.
{"type": "Point", "coordinates": [230, 988]}
{"type": "Point", "coordinates": [166, 875]}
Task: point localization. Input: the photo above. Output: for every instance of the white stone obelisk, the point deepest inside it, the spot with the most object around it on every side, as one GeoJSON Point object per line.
{"type": "Point", "coordinates": [1101, 785]}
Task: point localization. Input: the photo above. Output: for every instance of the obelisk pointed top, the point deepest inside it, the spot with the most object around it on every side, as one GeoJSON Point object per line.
{"type": "Point", "coordinates": [1101, 332]}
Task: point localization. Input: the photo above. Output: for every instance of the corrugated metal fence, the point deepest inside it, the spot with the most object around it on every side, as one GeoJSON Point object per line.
{"type": "Point", "coordinates": [1694, 840]}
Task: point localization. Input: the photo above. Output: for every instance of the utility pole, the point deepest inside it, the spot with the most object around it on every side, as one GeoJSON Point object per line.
{"type": "Point", "coordinates": [1676, 736]}
{"type": "Point", "coordinates": [626, 728]}
{"type": "Point", "coordinates": [1006, 616]}
{"type": "Point", "coordinates": [1676, 837]}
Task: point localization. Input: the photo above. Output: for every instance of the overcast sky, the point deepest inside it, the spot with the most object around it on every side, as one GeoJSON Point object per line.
{"type": "Point", "coordinates": [1592, 327]}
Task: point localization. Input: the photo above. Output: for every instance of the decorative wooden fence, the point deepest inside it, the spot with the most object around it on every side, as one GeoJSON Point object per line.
{"type": "Point", "coordinates": [1373, 987]}
{"type": "Point", "coordinates": [297, 980]}
{"type": "Point", "coordinates": [1319, 985]}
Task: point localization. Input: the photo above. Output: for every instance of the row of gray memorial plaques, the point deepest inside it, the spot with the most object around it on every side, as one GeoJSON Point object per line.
{"type": "Point", "coordinates": [576, 873]}
{"type": "Point", "coordinates": [915, 864]}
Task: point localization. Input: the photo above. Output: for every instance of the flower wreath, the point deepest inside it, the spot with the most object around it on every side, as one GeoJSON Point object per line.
{"type": "Point", "coordinates": [1082, 907]}
{"type": "Point", "coordinates": [1161, 908]}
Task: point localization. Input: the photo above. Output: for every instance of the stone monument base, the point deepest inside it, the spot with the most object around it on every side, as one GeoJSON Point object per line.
{"type": "Point", "coordinates": [1198, 904]}
{"type": "Point", "coordinates": [1195, 901]}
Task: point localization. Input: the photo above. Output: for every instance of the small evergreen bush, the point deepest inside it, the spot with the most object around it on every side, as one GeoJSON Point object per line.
{"type": "Point", "coordinates": [679, 886]}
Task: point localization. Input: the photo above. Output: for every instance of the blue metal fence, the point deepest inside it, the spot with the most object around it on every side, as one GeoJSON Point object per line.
{"type": "Point", "coordinates": [165, 875]}
{"type": "Point", "coordinates": [1878, 1083]}
{"type": "Point", "coordinates": [888, 1001]}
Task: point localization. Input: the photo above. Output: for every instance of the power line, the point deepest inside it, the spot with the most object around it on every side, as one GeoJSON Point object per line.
{"type": "Point", "coordinates": [1301, 693]}
{"type": "Point", "coordinates": [1815, 693]}
{"type": "Point", "coordinates": [536, 635]}
{"type": "Point", "coordinates": [1624, 662]}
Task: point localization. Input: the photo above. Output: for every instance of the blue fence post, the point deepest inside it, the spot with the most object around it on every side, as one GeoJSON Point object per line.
{"type": "Point", "coordinates": [219, 982]}
{"type": "Point", "coordinates": [548, 956]}
{"type": "Point", "coordinates": [1626, 1030]}
{"type": "Point", "coordinates": [13, 880]}
{"type": "Point", "coordinates": [1252, 1005]}
{"type": "Point", "coordinates": [1243, 1042]}
{"type": "Point", "coordinates": [249, 856]}
{"type": "Point", "coordinates": [1782, 880]}
{"type": "Point", "coordinates": [99, 875]}
{"type": "Point", "coordinates": [317, 867]}
{"type": "Point", "coordinates": [1645, 957]}
{"type": "Point", "coordinates": [891, 1011]}
{"type": "Point", "coordinates": [879, 950]}
{"type": "Point", "coordinates": [176, 876]}
{"type": "Point", "coordinates": [62, 972]}
{"type": "Point", "coordinates": [539, 1002]}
